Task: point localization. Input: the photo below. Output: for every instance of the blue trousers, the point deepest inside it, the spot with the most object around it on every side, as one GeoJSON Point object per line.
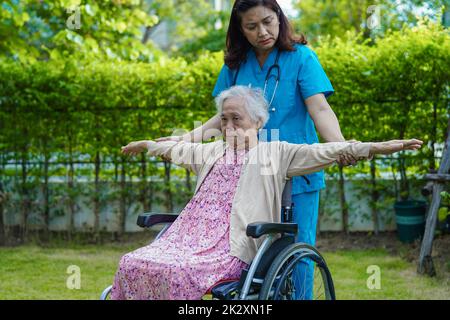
{"type": "Point", "coordinates": [306, 211]}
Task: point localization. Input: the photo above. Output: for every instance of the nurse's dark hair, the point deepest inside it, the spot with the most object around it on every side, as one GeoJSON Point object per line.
{"type": "Point", "coordinates": [236, 43]}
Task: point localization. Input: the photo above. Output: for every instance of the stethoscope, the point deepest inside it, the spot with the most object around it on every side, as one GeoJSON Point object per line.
{"type": "Point", "coordinates": [273, 67]}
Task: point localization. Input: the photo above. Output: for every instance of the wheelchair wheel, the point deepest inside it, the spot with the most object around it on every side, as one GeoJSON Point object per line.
{"type": "Point", "coordinates": [279, 283]}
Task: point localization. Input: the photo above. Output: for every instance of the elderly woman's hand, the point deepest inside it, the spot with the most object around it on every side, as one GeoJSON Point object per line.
{"type": "Point", "coordinates": [388, 147]}
{"type": "Point", "coordinates": [135, 147]}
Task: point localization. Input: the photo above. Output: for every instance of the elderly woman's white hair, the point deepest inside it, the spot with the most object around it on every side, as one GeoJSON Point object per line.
{"type": "Point", "coordinates": [253, 98]}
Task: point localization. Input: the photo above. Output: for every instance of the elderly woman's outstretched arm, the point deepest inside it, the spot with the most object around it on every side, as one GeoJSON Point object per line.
{"type": "Point", "coordinates": [182, 153]}
{"type": "Point", "coordinates": [303, 158]}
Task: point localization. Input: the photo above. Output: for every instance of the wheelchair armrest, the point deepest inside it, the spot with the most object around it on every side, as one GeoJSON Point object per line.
{"type": "Point", "coordinates": [257, 229]}
{"type": "Point", "coordinates": [146, 220]}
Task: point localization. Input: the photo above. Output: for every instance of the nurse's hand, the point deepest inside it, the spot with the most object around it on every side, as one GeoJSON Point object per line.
{"type": "Point", "coordinates": [346, 160]}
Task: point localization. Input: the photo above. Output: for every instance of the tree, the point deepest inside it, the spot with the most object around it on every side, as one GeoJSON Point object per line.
{"type": "Point", "coordinates": [120, 29]}
{"type": "Point", "coordinates": [340, 18]}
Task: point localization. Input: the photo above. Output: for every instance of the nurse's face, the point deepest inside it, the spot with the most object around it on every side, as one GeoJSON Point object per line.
{"type": "Point", "coordinates": [236, 124]}
{"type": "Point", "coordinates": [261, 27]}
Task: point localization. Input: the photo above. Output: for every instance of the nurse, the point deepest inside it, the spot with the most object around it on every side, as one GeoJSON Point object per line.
{"type": "Point", "coordinates": [262, 51]}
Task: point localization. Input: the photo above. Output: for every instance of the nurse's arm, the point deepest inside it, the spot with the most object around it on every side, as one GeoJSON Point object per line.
{"type": "Point", "coordinates": [327, 123]}
{"type": "Point", "coordinates": [210, 129]}
{"type": "Point", "coordinates": [324, 118]}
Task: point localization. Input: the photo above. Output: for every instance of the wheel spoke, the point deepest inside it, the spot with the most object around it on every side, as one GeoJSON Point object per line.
{"type": "Point", "coordinates": [321, 282]}
{"type": "Point", "coordinates": [279, 283]}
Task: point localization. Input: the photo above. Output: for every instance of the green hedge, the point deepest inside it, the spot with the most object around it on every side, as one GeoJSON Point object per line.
{"type": "Point", "coordinates": [383, 91]}
{"type": "Point", "coordinates": [69, 110]}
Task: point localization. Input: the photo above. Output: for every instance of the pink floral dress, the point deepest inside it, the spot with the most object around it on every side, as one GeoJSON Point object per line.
{"type": "Point", "coordinates": [194, 253]}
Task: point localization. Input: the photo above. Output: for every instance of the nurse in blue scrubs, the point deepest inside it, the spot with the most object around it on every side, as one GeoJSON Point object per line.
{"type": "Point", "coordinates": [263, 52]}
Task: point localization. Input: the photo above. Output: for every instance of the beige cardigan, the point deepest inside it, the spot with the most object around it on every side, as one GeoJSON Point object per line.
{"type": "Point", "coordinates": [263, 175]}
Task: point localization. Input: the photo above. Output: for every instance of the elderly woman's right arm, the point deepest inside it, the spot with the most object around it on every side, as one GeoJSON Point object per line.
{"type": "Point", "coordinates": [181, 153]}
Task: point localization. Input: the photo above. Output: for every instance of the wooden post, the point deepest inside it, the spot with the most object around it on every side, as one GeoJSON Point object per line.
{"type": "Point", "coordinates": [426, 265]}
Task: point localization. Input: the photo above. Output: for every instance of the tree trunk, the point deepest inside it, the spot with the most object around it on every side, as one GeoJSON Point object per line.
{"type": "Point", "coordinates": [395, 184]}
{"type": "Point", "coordinates": [46, 194]}
{"type": "Point", "coordinates": [188, 184]}
{"type": "Point", "coordinates": [97, 202]}
{"type": "Point", "coordinates": [123, 199]}
{"type": "Point", "coordinates": [143, 185]}
{"type": "Point", "coordinates": [71, 200]}
{"type": "Point", "coordinates": [446, 16]}
{"type": "Point", "coordinates": [404, 183]}
{"type": "Point", "coordinates": [97, 198]}
{"type": "Point", "coordinates": [24, 201]}
{"type": "Point", "coordinates": [2, 224]}
{"type": "Point", "coordinates": [148, 32]}
{"type": "Point", "coordinates": [433, 139]}
{"type": "Point", "coordinates": [343, 202]}
{"type": "Point", "coordinates": [115, 234]}
{"type": "Point", "coordinates": [375, 197]}
{"type": "Point", "coordinates": [3, 235]}
{"type": "Point", "coordinates": [150, 196]}
{"type": "Point", "coordinates": [168, 192]}
{"type": "Point", "coordinates": [116, 170]}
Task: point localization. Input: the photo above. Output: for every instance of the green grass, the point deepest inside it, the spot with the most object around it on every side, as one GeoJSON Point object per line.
{"type": "Point", "coordinates": [32, 272]}
{"type": "Point", "coordinates": [398, 277]}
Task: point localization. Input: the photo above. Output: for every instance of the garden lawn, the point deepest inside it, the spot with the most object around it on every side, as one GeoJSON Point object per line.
{"type": "Point", "coordinates": [32, 272]}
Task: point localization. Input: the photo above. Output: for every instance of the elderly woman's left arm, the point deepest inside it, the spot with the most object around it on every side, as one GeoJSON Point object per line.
{"type": "Point", "coordinates": [302, 159]}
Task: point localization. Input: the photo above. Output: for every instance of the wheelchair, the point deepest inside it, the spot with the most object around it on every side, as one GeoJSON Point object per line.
{"type": "Point", "coordinates": [270, 274]}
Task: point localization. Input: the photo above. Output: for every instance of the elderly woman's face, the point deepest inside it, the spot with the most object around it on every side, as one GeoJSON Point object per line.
{"type": "Point", "coordinates": [236, 123]}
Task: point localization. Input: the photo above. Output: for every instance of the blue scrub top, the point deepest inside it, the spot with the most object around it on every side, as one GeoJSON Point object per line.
{"type": "Point", "coordinates": [301, 76]}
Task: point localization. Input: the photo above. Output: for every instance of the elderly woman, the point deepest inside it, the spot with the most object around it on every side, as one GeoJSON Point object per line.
{"type": "Point", "coordinates": [240, 181]}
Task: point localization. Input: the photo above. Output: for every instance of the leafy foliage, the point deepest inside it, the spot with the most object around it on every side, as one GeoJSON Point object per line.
{"type": "Point", "coordinates": [80, 111]}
